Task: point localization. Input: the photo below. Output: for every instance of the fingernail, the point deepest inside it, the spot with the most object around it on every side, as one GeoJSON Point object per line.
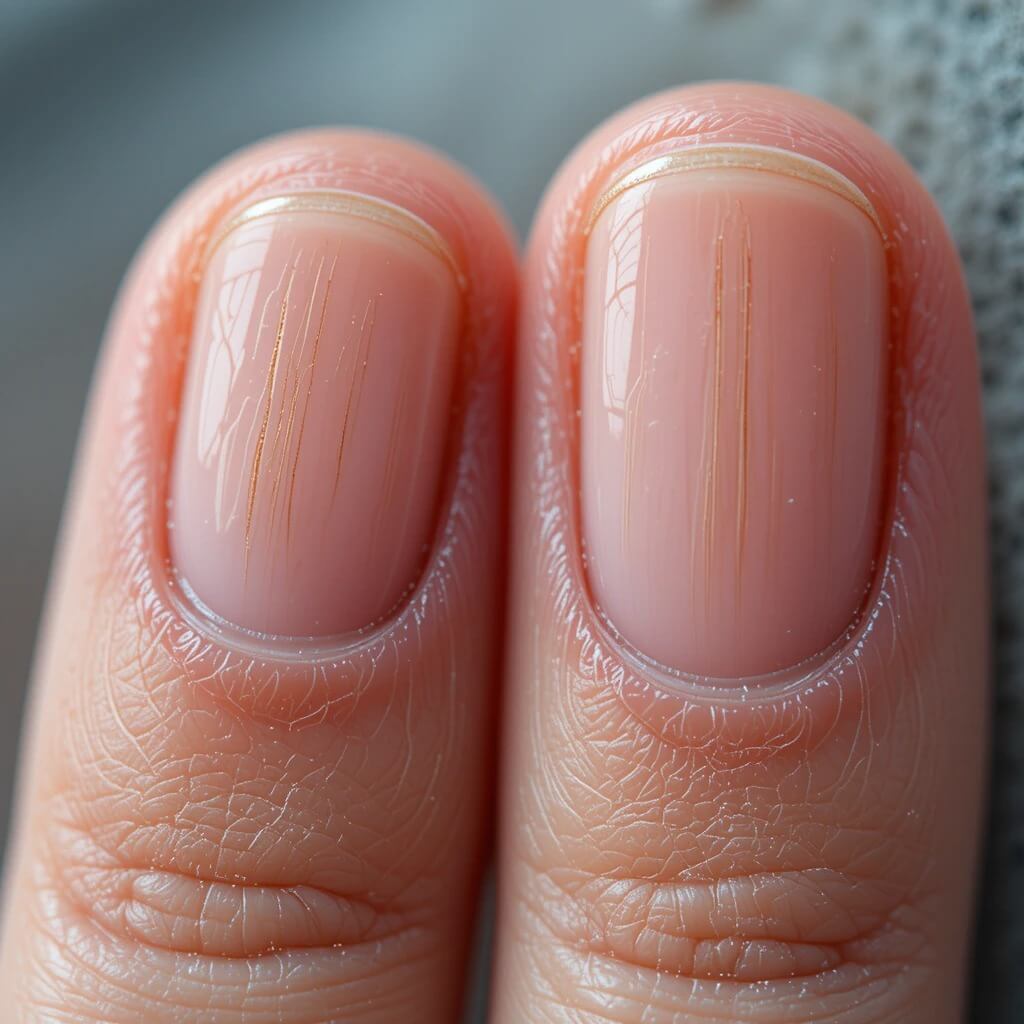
{"type": "Point", "coordinates": [733, 408]}
{"type": "Point", "coordinates": [314, 417]}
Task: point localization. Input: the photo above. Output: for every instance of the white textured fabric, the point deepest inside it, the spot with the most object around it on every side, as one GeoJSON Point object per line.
{"type": "Point", "coordinates": [944, 81]}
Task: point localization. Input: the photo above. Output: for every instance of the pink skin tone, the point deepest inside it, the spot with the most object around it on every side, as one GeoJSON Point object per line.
{"type": "Point", "coordinates": [803, 849]}
{"type": "Point", "coordinates": [735, 339]}
{"type": "Point", "coordinates": [217, 824]}
{"type": "Point", "coordinates": [209, 823]}
{"type": "Point", "coordinates": [315, 417]}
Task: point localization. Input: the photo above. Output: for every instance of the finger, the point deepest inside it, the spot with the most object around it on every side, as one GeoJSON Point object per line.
{"type": "Point", "coordinates": [256, 778]}
{"type": "Point", "coordinates": [748, 635]}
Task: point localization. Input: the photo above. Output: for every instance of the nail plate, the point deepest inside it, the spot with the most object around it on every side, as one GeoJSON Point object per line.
{"type": "Point", "coordinates": [735, 352]}
{"type": "Point", "coordinates": [315, 412]}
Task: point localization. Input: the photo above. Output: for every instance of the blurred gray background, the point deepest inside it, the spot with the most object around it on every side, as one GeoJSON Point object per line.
{"type": "Point", "coordinates": [109, 109]}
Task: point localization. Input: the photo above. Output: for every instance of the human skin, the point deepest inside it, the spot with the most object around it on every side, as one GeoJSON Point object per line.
{"type": "Point", "coordinates": [799, 848]}
{"type": "Point", "coordinates": [315, 414]}
{"type": "Point", "coordinates": [216, 825]}
{"type": "Point", "coordinates": [216, 828]}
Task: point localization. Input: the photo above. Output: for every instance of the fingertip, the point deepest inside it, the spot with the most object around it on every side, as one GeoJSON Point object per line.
{"type": "Point", "coordinates": [306, 374]}
{"type": "Point", "coordinates": [665, 418]}
{"type": "Point", "coordinates": [928, 424]}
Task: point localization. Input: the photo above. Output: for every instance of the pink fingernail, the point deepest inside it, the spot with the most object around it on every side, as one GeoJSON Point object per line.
{"type": "Point", "coordinates": [733, 398]}
{"type": "Point", "coordinates": [315, 412]}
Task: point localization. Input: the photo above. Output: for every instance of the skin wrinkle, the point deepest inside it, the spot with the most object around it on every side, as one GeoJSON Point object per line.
{"type": "Point", "coordinates": [805, 704]}
{"type": "Point", "coordinates": [717, 749]}
{"type": "Point", "coordinates": [639, 992]}
{"type": "Point", "coordinates": [628, 940]}
{"type": "Point", "coordinates": [659, 996]}
{"type": "Point", "coordinates": [89, 984]}
{"type": "Point", "coordinates": [284, 167]}
{"type": "Point", "coordinates": [99, 885]}
{"type": "Point", "coordinates": [184, 796]}
{"type": "Point", "coordinates": [658, 778]}
{"type": "Point", "coordinates": [246, 764]}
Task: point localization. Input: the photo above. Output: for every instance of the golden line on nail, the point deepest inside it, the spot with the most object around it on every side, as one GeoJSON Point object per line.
{"type": "Point", "coordinates": [345, 204]}
{"type": "Point", "coordinates": [751, 158]}
{"type": "Point", "coordinates": [271, 386]}
{"type": "Point", "coordinates": [355, 388]}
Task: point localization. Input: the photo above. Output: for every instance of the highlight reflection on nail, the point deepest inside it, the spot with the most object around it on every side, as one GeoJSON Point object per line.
{"type": "Point", "coordinates": [315, 413]}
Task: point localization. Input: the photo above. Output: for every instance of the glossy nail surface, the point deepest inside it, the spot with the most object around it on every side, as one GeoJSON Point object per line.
{"type": "Point", "coordinates": [315, 414]}
{"type": "Point", "coordinates": [733, 411]}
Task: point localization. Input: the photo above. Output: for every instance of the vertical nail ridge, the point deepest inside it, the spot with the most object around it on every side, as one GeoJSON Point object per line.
{"type": "Point", "coordinates": [314, 416]}
{"type": "Point", "coordinates": [271, 385]}
{"type": "Point", "coordinates": [731, 523]}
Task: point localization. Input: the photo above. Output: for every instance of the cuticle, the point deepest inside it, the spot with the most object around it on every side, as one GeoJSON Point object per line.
{"type": "Point", "coordinates": [341, 203]}
{"type": "Point", "coordinates": [755, 689]}
{"type": "Point", "coordinates": [274, 647]}
{"type": "Point", "coordinates": [697, 156]}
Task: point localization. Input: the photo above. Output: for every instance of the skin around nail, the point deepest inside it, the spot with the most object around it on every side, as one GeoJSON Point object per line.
{"type": "Point", "coordinates": [733, 402]}
{"type": "Point", "coordinates": [315, 415]}
{"type": "Point", "coordinates": [797, 847]}
{"type": "Point", "coordinates": [222, 828]}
